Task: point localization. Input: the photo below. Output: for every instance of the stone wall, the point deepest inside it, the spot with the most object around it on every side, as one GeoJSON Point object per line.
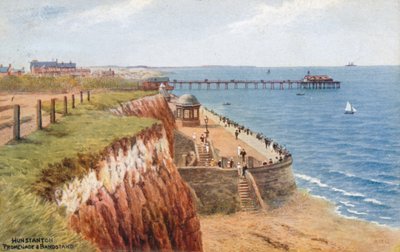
{"type": "Point", "coordinates": [275, 182]}
{"type": "Point", "coordinates": [216, 189]}
{"type": "Point", "coordinates": [183, 145]}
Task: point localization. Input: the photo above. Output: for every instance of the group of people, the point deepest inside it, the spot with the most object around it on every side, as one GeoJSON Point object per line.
{"type": "Point", "coordinates": [282, 152]}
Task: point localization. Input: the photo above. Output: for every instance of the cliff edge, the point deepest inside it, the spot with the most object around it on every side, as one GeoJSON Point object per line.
{"type": "Point", "coordinates": [134, 198]}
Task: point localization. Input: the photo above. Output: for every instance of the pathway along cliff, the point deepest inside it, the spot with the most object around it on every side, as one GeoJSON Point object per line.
{"type": "Point", "coordinates": [135, 199]}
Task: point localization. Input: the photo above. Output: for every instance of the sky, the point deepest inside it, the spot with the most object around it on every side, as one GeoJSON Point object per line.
{"type": "Point", "coordinates": [264, 33]}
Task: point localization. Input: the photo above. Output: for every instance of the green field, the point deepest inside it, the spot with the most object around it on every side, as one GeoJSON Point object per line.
{"type": "Point", "coordinates": [31, 168]}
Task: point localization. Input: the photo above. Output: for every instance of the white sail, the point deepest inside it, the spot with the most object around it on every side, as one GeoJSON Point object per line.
{"type": "Point", "coordinates": [348, 107]}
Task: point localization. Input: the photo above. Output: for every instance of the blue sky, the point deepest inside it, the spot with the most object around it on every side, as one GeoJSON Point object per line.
{"type": "Point", "coordinates": [201, 32]}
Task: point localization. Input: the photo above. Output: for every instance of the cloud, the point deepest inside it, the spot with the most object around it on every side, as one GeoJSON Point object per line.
{"type": "Point", "coordinates": [281, 15]}
{"type": "Point", "coordinates": [111, 12]}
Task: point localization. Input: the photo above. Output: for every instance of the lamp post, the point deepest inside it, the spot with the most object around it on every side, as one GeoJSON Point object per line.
{"type": "Point", "coordinates": [206, 122]}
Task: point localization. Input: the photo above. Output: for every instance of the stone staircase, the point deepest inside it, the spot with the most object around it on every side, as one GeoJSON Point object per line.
{"type": "Point", "coordinates": [247, 203]}
{"type": "Point", "coordinates": [205, 158]}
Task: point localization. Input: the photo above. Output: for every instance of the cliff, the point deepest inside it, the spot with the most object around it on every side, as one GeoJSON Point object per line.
{"type": "Point", "coordinates": [134, 198]}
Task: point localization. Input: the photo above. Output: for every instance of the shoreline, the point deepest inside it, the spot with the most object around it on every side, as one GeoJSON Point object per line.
{"type": "Point", "coordinates": [306, 222]}
{"type": "Point", "coordinates": [257, 145]}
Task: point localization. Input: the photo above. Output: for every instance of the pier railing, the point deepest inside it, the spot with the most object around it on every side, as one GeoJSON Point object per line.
{"type": "Point", "coordinates": [263, 84]}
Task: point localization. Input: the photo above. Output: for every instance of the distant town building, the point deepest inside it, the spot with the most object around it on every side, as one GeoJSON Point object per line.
{"type": "Point", "coordinates": [9, 70]}
{"type": "Point", "coordinates": [55, 68]}
{"type": "Point", "coordinates": [104, 73]}
{"type": "Point", "coordinates": [155, 82]}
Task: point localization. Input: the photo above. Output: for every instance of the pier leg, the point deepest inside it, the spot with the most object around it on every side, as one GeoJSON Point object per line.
{"type": "Point", "coordinates": [81, 94]}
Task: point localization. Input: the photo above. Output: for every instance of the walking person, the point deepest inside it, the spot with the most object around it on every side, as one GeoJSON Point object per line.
{"type": "Point", "coordinates": [243, 154]}
{"type": "Point", "coordinates": [239, 149]}
{"type": "Point", "coordinates": [236, 134]}
{"type": "Point", "coordinates": [239, 168]}
{"type": "Point", "coordinates": [194, 137]}
{"type": "Point", "coordinates": [244, 169]}
{"type": "Point", "coordinates": [202, 138]}
{"type": "Point", "coordinates": [207, 148]}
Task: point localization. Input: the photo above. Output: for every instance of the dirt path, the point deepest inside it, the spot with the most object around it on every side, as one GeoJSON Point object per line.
{"type": "Point", "coordinates": [27, 103]}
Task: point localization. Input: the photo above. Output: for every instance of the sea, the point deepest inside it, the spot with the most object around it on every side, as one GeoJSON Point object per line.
{"type": "Point", "coordinates": [352, 161]}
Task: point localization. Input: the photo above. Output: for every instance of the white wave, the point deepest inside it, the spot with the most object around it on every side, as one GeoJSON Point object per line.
{"type": "Point", "coordinates": [346, 193]}
{"type": "Point", "coordinates": [350, 175]}
{"type": "Point", "coordinates": [385, 182]}
{"type": "Point", "coordinates": [384, 218]}
{"type": "Point", "coordinates": [355, 212]}
{"type": "Point", "coordinates": [311, 180]}
{"type": "Point", "coordinates": [322, 197]}
{"type": "Point", "coordinates": [344, 173]}
{"type": "Point", "coordinates": [346, 203]}
{"type": "Point", "coordinates": [337, 211]}
{"type": "Point", "coordinates": [374, 201]}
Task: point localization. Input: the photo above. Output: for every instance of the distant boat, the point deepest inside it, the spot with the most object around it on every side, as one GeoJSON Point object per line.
{"type": "Point", "coordinates": [349, 109]}
{"type": "Point", "coordinates": [300, 93]}
{"type": "Point", "coordinates": [269, 71]}
{"type": "Point", "coordinates": [226, 103]}
{"type": "Point", "coordinates": [350, 64]}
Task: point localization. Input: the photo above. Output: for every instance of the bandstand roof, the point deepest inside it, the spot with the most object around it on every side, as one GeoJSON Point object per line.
{"type": "Point", "coordinates": [187, 100]}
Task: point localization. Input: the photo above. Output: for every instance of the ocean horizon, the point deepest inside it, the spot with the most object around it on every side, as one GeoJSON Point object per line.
{"type": "Point", "coordinates": [351, 160]}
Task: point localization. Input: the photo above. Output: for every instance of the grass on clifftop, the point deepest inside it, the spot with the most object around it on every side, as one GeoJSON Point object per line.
{"type": "Point", "coordinates": [29, 83]}
{"type": "Point", "coordinates": [87, 131]}
{"type": "Point", "coordinates": [99, 101]}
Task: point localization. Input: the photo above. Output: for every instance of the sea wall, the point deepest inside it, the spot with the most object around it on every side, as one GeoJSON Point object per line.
{"type": "Point", "coordinates": [275, 182]}
{"type": "Point", "coordinates": [135, 200]}
{"type": "Point", "coordinates": [183, 146]}
{"type": "Point", "coordinates": [216, 189]}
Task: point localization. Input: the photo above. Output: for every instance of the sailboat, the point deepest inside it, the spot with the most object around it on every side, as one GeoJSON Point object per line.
{"type": "Point", "coordinates": [350, 64]}
{"type": "Point", "coordinates": [349, 109]}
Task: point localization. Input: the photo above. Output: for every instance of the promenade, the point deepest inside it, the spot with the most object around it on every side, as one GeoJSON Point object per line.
{"type": "Point", "coordinates": [223, 139]}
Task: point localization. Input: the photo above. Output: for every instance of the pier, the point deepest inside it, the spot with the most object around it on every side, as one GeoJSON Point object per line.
{"type": "Point", "coordinates": [256, 84]}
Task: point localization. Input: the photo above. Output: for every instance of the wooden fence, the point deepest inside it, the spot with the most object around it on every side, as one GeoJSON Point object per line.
{"type": "Point", "coordinates": [17, 120]}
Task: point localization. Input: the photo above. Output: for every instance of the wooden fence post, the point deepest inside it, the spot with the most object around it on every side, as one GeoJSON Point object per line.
{"type": "Point", "coordinates": [81, 96]}
{"type": "Point", "coordinates": [53, 111]}
{"type": "Point", "coordinates": [39, 114]}
{"type": "Point", "coordinates": [73, 101]}
{"type": "Point", "coordinates": [88, 96]}
{"type": "Point", "coordinates": [65, 106]}
{"type": "Point", "coordinates": [17, 123]}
